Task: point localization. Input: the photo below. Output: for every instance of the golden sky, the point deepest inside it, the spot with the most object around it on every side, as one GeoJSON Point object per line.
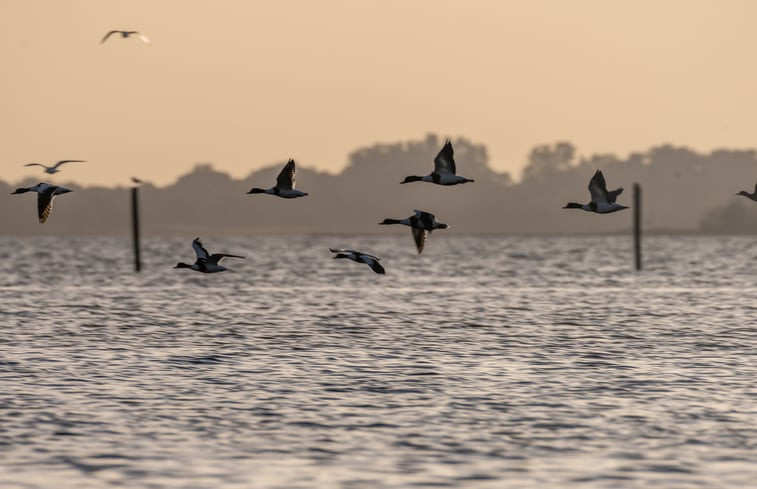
{"type": "Point", "coordinates": [243, 84]}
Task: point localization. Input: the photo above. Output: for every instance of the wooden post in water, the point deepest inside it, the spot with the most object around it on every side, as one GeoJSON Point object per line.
{"type": "Point", "coordinates": [637, 224]}
{"type": "Point", "coordinates": [135, 227]}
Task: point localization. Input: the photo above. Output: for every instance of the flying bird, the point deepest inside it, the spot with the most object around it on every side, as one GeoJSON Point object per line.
{"type": "Point", "coordinates": [206, 263]}
{"type": "Point", "coordinates": [602, 200]}
{"type": "Point", "coordinates": [284, 184]}
{"type": "Point", "coordinates": [360, 257]}
{"type": "Point", "coordinates": [444, 172]}
{"type": "Point", "coordinates": [126, 34]}
{"type": "Point", "coordinates": [752, 196]}
{"type": "Point", "coordinates": [54, 168]}
{"type": "Point", "coordinates": [45, 195]}
{"type": "Point", "coordinates": [136, 181]}
{"type": "Point", "coordinates": [421, 224]}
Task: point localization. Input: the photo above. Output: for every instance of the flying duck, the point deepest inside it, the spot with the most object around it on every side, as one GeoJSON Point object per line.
{"type": "Point", "coordinates": [444, 169]}
{"type": "Point", "coordinates": [421, 224]}
{"type": "Point", "coordinates": [54, 168]}
{"type": "Point", "coordinates": [206, 263]}
{"type": "Point", "coordinates": [284, 184]}
{"type": "Point", "coordinates": [45, 195]}
{"type": "Point", "coordinates": [126, 34]}
{"type": "Point", "coordinates": [752, 196]}
{"type": "Point", "coordinates": [602, 200]}
{"type": "Point", "coordinates": [360, 257]}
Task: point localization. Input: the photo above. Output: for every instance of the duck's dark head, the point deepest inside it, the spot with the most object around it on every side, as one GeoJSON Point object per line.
{"type": "Point", "coordinates": [341, 255]}
{"type": "Point", "coordinates": [256, 191]}
{"type": "Point", "coordinates": [390, 221]}
{"type": "Point", "coordinates": [441, 225]}
{"type": "Point", "coordinates": [182, 265]}
{"type": "Point", "coordinates": [744, 193]}
{"type": "Point", "coordinates": [573, 205]}
{"type": "Point", "coordinates": [411, 178]}
{"type": "Point", "coordinates": [20, 191]}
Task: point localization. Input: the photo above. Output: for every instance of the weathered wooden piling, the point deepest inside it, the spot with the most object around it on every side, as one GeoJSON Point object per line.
{"type": "Point", "coordinates": [637, 224]}
{"type": "Point", "coordinates": [135, 227]}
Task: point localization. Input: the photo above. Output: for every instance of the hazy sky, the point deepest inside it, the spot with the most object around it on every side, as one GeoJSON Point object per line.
{"type": "Point", "coordinates": [243, 84]}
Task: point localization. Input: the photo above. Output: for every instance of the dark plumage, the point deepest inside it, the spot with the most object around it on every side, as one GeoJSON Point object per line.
{"type": "Point", "coordinates": [285, 184]}
{"type": "Point", "coordinates": [126, 34]}
{"type": "Point", "coordinates": [206, 263]}
{"type": "Point", "coordinates": [45, 195]}
{"type": "Point", "coordinates": [360, 257]}
{"type": "Point", "coordinates": [421, 224]}
{"type": "Point", "coordinates": [54, 168]}
{"type": "Point", "coordinates": [602, 200]}
{"type": "Point", "coordinates": [445, 170]}
{"type": "Point", "coordinates": [752, 196]}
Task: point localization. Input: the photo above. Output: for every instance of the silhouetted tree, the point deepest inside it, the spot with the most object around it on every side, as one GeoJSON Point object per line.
{"type": "Point", "coordinates": [545, 161]}
{"type": "Point", "coordinates": [683, 190]}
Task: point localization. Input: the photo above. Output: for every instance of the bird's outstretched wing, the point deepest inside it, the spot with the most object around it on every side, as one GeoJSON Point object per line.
{"type": "Point", "coordinates": [44, 205]}
{"type": "Point", "coordinates": [36, 164]}
{"type": "Point", "coordinates": [217, 257]}
{"type": "Point", "coordinates": [419, 235]}
{"type": "Point", "coordinates": [598, 188]}
{"type": "Point", "coordinates": [63, 162]}
{"type": "Point", "coordinates": [445, 161]}
{"type": "Point", "coordinates": [108, 35]}
{"type": "Point", "coordinates": [339, 250]}
{"type": "Point", "coordinates": [200, 251]}
{"type": "Point", "coordinates": [358, 254]}
{"type": "Point", "coordinates": [285, 180]}
{"type": "Point", "coordinates": [612, 195]}
{"type": "Point", "coordinates": [375, 266]}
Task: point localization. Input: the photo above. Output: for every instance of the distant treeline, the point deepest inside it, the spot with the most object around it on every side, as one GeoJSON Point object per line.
{"type": "Point", "coordinates": [683, 191]}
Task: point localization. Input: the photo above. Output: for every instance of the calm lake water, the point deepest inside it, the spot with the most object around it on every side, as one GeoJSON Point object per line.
{"type": "Point", "coordinates": [483, 363]}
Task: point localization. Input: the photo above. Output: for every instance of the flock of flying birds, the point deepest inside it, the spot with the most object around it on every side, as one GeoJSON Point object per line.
{"type": "Point", "coordinates": [421, 223]}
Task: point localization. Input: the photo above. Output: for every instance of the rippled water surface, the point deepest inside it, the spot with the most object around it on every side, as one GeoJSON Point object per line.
{"type": "Point", "coordinates": [486, 362]}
